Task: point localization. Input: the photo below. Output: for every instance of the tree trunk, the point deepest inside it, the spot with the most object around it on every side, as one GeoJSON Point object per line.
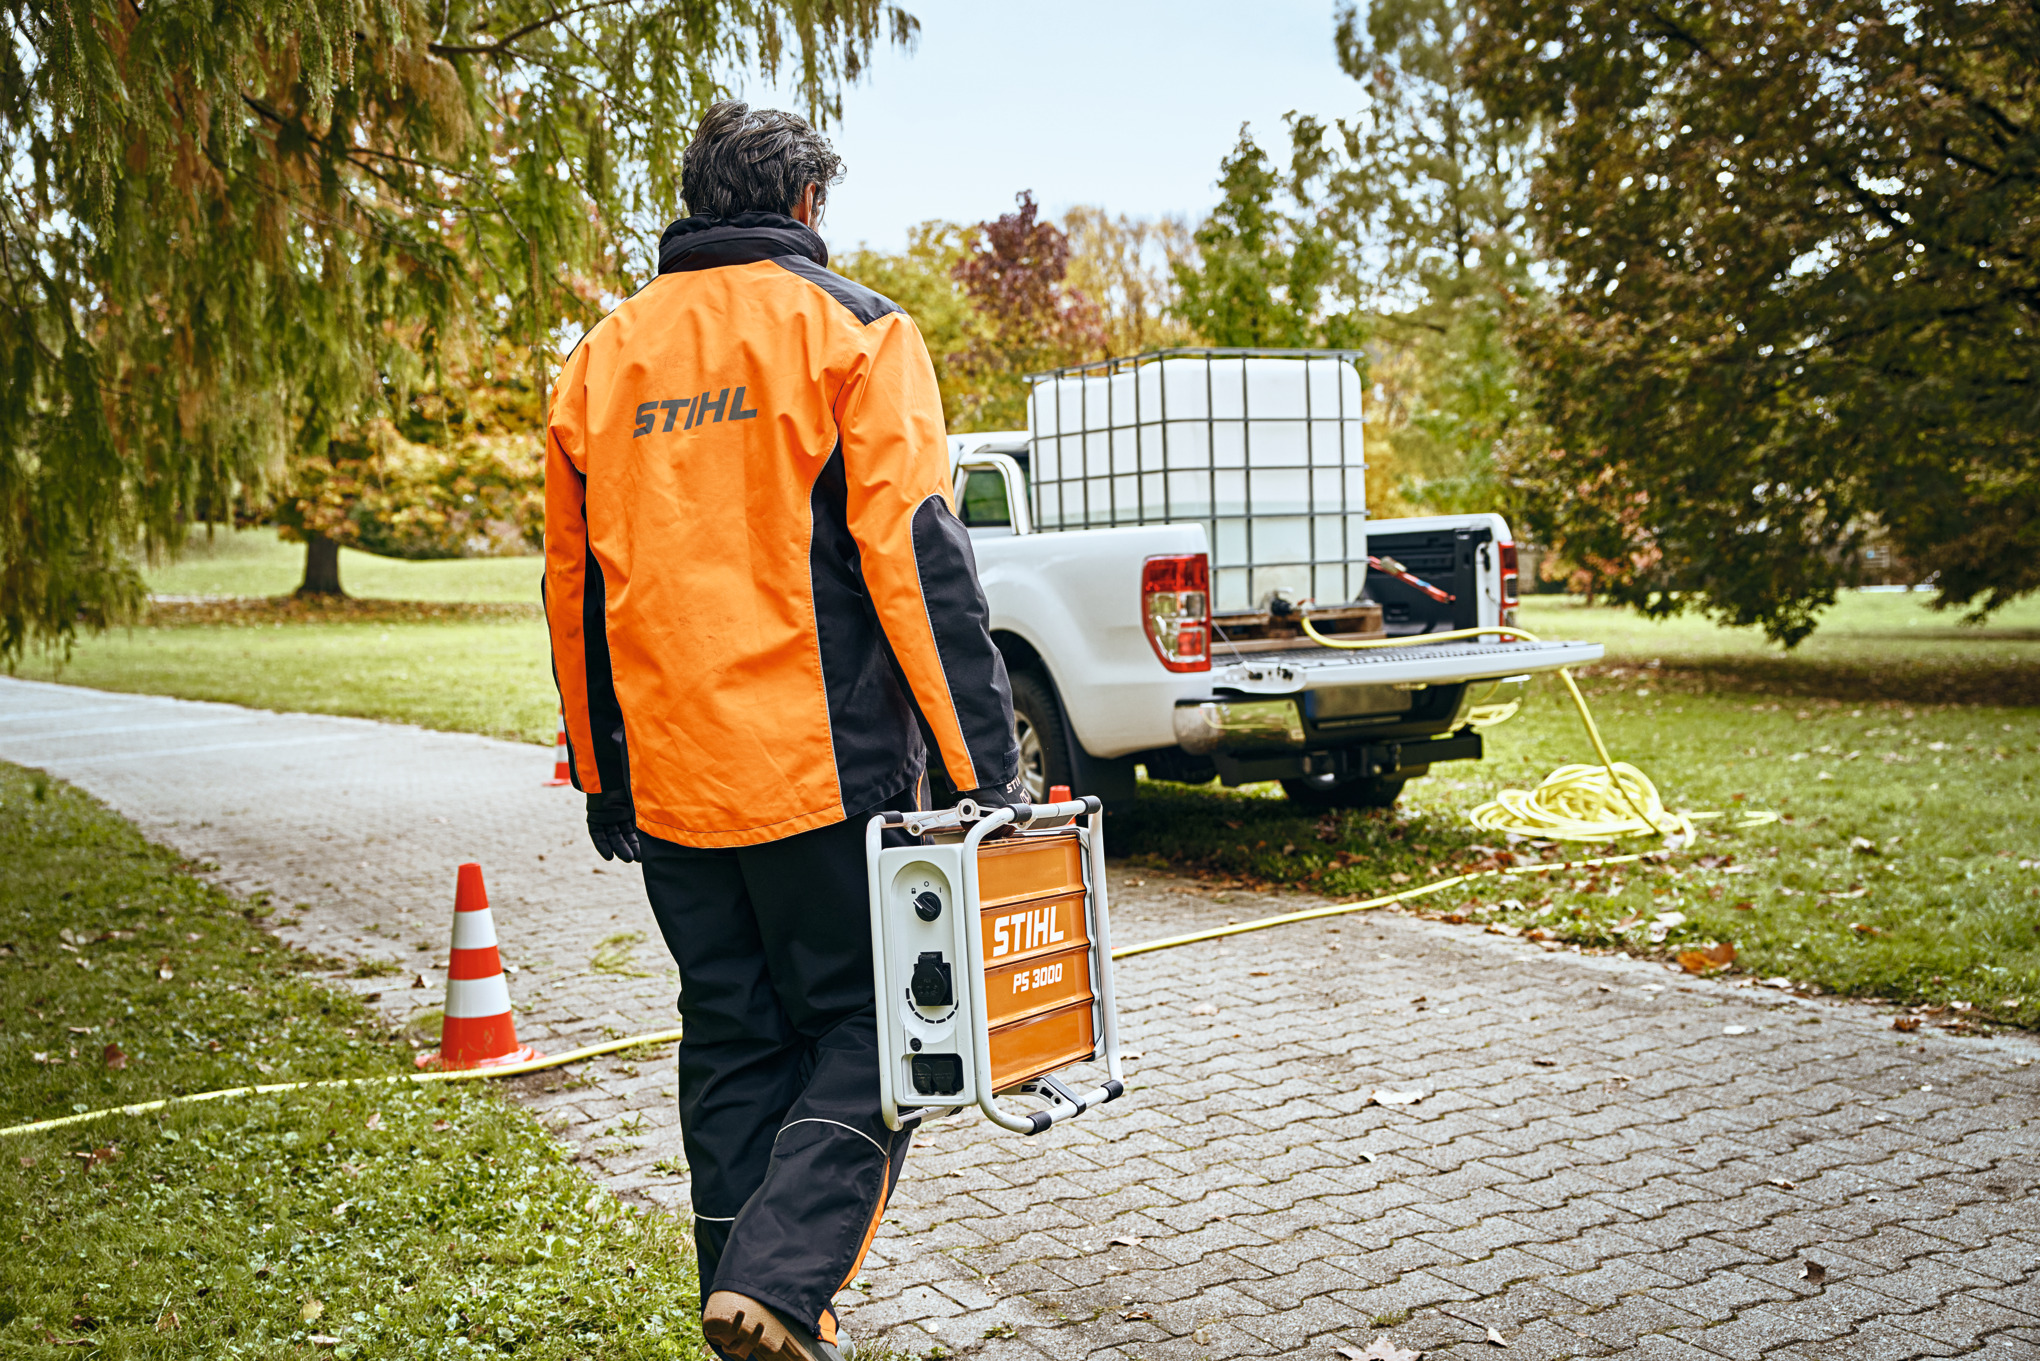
{"type": "Point", "coordinates": [322, 567]}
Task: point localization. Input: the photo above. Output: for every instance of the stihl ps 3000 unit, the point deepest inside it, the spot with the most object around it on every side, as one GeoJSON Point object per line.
{"type": "Point", "coordinates": [992, 959]}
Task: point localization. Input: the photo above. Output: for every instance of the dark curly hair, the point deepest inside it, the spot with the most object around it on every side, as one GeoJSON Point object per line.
{"type": "Point", "coordinates": [745, 160]}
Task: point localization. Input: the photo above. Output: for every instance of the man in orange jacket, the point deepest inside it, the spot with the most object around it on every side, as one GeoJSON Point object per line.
{"type": "Point", "coordinates": [760, 600]}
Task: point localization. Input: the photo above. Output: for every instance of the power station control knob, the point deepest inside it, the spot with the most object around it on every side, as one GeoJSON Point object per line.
{"type": "Point", "coordinates": [927, 905]}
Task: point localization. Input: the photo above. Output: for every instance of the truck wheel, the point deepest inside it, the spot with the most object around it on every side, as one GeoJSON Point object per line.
{"type": "Point", "coordinates": [1328, 791]}
{"type": "Point", "coordinates": [1038, 725]}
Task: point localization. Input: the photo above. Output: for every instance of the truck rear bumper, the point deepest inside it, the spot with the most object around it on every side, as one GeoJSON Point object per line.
{"type": "Point", "coordinates": [1312, 668]}
{"type": "Point", "coordinates": [1360, 760]}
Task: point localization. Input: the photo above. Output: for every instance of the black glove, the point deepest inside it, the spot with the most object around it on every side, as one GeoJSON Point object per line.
{"type": "Point", "coordinates": [612, 826]}
{"type": "Point", "coordinates": [1006, 795]}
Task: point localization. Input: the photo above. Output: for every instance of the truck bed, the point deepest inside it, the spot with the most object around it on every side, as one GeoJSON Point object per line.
{"type": "Point", "coordinates": [1313, 667]}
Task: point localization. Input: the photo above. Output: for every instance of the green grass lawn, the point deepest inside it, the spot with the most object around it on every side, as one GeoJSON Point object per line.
{"type": "Point", "coordinates": [378, 1221]}
{"type": "Point", "coordinates": [1908, 866]}
{"type": "Point", "coordinates": [491, 676]}
{"type": "Point", "coordinates": [1869, 646]}
{"type": "Point", "coordinates": [256, 562]}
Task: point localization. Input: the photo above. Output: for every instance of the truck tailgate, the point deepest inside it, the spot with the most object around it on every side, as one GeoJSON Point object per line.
{"type": "Point", "coordinates": [1315, 668]}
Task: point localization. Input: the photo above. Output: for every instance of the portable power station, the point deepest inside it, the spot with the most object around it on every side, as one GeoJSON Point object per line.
{"type": "Point", "coordinates": [992, 960]}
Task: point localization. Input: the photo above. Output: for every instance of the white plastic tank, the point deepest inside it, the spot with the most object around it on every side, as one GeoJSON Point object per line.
{"type": "Point", "coordinates": [1264, 449]}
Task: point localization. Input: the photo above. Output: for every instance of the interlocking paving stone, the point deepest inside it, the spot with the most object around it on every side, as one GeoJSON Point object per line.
{"type": "Point", "coordinates": [1620, 1202]}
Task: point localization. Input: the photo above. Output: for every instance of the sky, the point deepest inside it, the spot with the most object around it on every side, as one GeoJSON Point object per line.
{"type": "Point", "coordinates": [1123, 104]}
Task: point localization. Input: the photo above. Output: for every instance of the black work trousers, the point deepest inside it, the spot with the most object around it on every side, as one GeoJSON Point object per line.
{"type": "Point", "coordinates": [790, 1160]}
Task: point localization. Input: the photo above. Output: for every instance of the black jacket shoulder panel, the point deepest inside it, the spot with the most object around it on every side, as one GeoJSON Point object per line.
{"type": "Point", "coordinates": [858, 300]}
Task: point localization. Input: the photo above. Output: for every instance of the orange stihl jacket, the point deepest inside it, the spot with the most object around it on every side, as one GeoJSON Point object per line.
{"type": "Point", "coordinates": [752, 568]}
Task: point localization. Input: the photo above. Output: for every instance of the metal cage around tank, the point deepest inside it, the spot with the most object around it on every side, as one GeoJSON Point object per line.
{"type": "Point", "coordinates": [1264, 447]}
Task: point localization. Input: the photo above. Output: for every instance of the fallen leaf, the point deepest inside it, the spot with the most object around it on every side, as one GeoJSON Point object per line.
{"type": "Point", "coordinates": [1735, 1030]}
{"type": "Point", "coordinates": [1908, 1024]}
{"type": "Point", "coordinates": [1398, 878]}
{"type": "Point", "coordinates": [323, 1340]}
{"type": "Point", "coordinates": [1545, 1063]}
{"type": "Point", "coordinates": [166, 1322]}
{"type": "Point", "coordinates": [1627, 922]}
{"type": "Point", "coordinates": [1812, 1272]}
{"type": "Point", "coordinates": [1363, 1157]}
{"type": "Point", "coordinates": [1257, 973]}
{"type": "Point", "coordinates": [1382, 1096]}
{"type": "Point", "coordinates": [1134, 1315]}
{"type": "Point", "coordinates": [1784, 1184]}
{"type": "Point", "coordinates": [115, 1056]}
{"type": "Point", "coordinates": [374, 1120]}
{"type": "Point", "coordinates": [1124, 1241]}
{"type": "Point", "coordinates": [421, 981]}
{"type": "Point", "coordinates": [1865, 929]}
{"type": "Point", "coordinates": [1708, 959]}
{"type": "Point", "coordinates": [105, 1153]}
{"type": "Point", "coordinates": [1495, 1339]}
{"type": "Point", "coordinates": [440, 1126]}
{"type": "Point", "coordinates": [27, 1161]}
{"type": "Point", "coordinates": [1498, 929]}
{"type": "Point", "coordinates": [311, 1309]}
{"type": "Point", "coordinates": [163, 969]}
{"type": "Point", "coordinates": [1207, 1009]}
{"type": "Point", "coordinates": [1381, 1349]}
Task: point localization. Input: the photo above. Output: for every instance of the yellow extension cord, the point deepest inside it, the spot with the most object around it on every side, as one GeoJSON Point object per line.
{"type": "Point", "coordinates": [1573, 803]}
{"type": "Point", "coordinates": [668, 1036]}
{"type": "Point", "coordinates": [1605, 802]}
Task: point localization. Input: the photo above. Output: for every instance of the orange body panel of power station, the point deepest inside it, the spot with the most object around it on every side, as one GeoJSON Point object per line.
{"type": "Point", "coordinates": [1036, 947]}
{"type": "Point", "coordinates": [1029, 867]}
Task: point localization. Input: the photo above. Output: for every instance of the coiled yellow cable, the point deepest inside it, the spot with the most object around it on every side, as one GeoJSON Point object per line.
{"type": "Point", "coordinates": [1607, 802]}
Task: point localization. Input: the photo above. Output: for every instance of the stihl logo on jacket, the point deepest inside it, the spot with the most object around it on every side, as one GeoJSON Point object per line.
{"type": "Point", "coordinates": [698, 409]}
{"type": "Point", "coordinates": [753, 571]}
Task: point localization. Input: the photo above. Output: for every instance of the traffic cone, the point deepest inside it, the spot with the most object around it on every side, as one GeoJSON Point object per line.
{"type": "Point", "coordinates": [477, 1031]}
{"type": "Point", "coordinates": [1058, 793]}
{"type": "Point", "coordinates": [560, 775]}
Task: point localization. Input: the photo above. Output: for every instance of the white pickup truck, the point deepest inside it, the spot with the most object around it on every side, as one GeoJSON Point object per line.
{"type": "Point", "coordinates": [1118, 660]}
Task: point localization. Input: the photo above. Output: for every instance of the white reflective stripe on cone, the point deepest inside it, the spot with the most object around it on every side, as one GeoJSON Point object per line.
{"type": "Point", "coordinates": [474, 930]}
{"type": "Point", "coordinates": [470, 997]}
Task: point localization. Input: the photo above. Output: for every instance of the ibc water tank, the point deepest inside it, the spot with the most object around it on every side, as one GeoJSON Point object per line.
{"type": "Point", "coordinates": [1264, 449]}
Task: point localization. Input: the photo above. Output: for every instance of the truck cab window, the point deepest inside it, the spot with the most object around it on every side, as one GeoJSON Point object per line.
{"type": "Point", "coordinates": [984, 500]}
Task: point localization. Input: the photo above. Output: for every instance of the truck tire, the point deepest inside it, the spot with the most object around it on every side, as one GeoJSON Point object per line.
{"type": "Point", "coordinates": [1361, 791]}
{"type": "Point", "coordinates": [1038, 727]}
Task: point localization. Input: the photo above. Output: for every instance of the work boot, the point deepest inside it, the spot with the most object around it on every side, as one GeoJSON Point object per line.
{"type": "Point", "coordinates": [751, 1331]}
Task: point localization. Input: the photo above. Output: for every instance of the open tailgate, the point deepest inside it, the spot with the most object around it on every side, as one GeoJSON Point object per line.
{"type": "Point", "coordinates": [1314, 668]}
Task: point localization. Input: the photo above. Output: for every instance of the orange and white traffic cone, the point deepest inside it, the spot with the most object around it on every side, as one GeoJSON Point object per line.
{"type": "Point", "coordinates": [477, 1031]}
{"type": "Point", "coordinates": [1058, 793]}
{"type": "Point", "coordinates": [560, 775]}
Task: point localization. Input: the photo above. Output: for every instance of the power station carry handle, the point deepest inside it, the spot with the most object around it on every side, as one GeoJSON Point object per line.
{"type": "Point", "coordinates": [1026, 816]}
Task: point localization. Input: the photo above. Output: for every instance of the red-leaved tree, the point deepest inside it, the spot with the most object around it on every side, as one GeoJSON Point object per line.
{"type": "Point", "coordinates": [1013, 270]}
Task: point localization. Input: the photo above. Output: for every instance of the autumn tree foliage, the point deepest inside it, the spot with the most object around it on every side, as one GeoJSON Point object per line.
{"type": "Point", "coordinates": [1262, 273]}
{"type": "Point", "coordinates": [1014, 270]}
{"type": "Point", "coordinates": [1796, 254]}
{"type": "Point", "coordinates": [1425, 197]}
{"type": "Point", "coordinates": [234, 234]}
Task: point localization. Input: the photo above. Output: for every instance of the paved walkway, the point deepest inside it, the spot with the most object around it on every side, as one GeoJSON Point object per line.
{"type": "Point", "coordinates": [1611, 1160]}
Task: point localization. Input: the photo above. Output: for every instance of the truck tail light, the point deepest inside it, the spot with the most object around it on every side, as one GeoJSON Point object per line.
{"type": "Point", "coordinates": [1509, 593]}
{"type": "Point", "coordinates": [1175, 608]}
